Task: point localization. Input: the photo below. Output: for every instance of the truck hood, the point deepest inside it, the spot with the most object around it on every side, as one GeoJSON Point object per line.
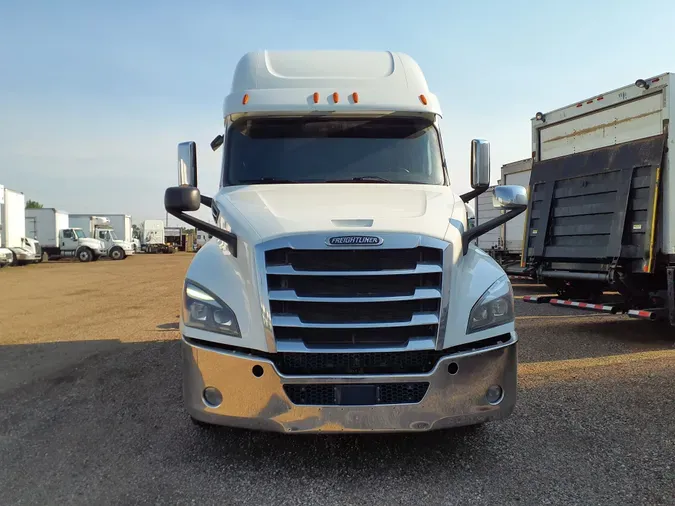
{"type": "Point", "coordinates": [273, 210]}
{"type": "Point", "coordinates": [91, 243]}
{"type": "Point", "coordinates": [123, 244]}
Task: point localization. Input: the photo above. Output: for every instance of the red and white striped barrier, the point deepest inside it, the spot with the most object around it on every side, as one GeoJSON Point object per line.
{"type": "Point", "coordinates": [536, 299]}
{"type": "Point", "coordinates": [583, 305]}
{"type": "Point", "coordinates": [645, 314]}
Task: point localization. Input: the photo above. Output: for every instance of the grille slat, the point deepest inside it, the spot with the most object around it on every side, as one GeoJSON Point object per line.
{"type": "Point", "coordinates": [314, 293]}
{"type": "Point", "coordinates": [294, 321]}
{"type": "Point", "coordinates": [418, 294]}
{"type": "Point", "coordinates": [288, 270]}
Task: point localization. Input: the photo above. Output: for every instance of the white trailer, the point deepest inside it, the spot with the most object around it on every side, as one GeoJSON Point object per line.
{"type": "Point", "coordinates": [121, 223]}
{"type": "Point", "coordinates": [100, 227]}
{"type": "Point", "coordinates": [505, 244]}
{"type": "Point", "coordinates": [601, 214]}
{"type": "Point", "coordinates": [17, 249]}
{"type": "Point", "coordinates": [485, 211]}
{"type": "Point", "coordinates": [58, 239]}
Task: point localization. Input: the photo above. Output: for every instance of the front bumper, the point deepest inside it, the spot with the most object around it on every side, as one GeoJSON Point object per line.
{"type": "Point", "coordinates": [451, 400]}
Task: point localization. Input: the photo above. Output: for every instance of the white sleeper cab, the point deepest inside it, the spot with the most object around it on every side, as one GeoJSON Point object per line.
{"type": "Point", "coordinates": [341, 290]}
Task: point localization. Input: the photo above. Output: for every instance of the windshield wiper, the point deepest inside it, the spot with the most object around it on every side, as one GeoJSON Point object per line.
{"type": "Point", "coordinates": [265, 180]}
{"type": "Point", "coordinates": [363, 179]}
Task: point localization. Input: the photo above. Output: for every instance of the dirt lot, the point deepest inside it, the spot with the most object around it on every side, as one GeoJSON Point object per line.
{"type": "Point", "coordinates": [90, 411]}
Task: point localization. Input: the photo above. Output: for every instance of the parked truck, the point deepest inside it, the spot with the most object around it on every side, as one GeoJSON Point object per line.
{"type": "Point", "coordinates": [15, 247]}
{"type": "Point", "coordinates": [505, 244]}
{"type": "Point", "coordinates": [58, 239]}
{"type": "Point", "coordinates": [100, 227]}
{"type": "Point", "coordinates": [602, 201]}
{"type": "Point", "coordinates": [342, 290]}
{"type": "Point", "coordinates": [152, 237]}
{"type": "Point", "coordinates": [121, 224]}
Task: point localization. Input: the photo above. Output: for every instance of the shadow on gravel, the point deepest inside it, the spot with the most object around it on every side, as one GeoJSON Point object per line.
{"type": "Point", "coordinates": [84, 408]}
{"type": "Point", "coordinates": [102, 422]}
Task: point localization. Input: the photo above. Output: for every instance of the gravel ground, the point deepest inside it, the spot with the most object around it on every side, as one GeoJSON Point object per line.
{"type": "Point", "coordinates": [90, 411]}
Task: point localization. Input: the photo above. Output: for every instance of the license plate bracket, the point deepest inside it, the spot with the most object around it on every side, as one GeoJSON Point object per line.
{"type": "Point", "coordinates": [356, 395]}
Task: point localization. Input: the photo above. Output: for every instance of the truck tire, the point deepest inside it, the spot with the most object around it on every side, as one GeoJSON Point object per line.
{"type": "Point", "coordinates": [85, 255]}
{"type": "Point", "coordinates": [117, 253]}
{"type": "Point", "coordinates": [14, 261]}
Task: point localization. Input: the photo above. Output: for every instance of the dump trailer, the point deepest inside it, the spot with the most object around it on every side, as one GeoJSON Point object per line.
{"type": "Point", "coordinates": [342, 291]}
{"type": "Point", "coordinates": [602, 201]}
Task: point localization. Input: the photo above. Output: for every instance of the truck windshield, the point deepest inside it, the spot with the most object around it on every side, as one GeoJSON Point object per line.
{"type": "Point", "coordinates": [79, 233]}
{"type": "Point", "coordinates": [318, 150]}
{"type": "Point", "coordinates": [113, 236]}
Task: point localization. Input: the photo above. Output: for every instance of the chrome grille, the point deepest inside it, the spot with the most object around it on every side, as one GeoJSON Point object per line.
{"type": "Point", "coordinates": [355, 297]}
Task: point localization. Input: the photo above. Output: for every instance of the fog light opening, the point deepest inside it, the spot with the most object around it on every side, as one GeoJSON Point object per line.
{"type": "Point", "coordinates": [257, 371]}
{"type": "Point", "coordinates": [494, 394]}
{"type": "Point", "coordinates": [212, 397]}
{"type": "Point", "coordinates": [453, 368]}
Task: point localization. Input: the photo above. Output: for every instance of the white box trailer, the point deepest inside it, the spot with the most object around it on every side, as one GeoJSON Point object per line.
{"type": "Point", "coordinates": [22, 250]}
{"type": "Point", "coordinates": [504, 243]}
{"type": "Point", "coordinates": [601, 213]}
{"type": "Point", "coordinates": [58, 238]}
{"type": "Point", "coordinates": [121, 223]}
{"type": "Point", "coordinates": [485, 212]}
{"type": "Point", "coordinates": [44, 225]}
{"type": "Point", "coordinates": [512, 232]}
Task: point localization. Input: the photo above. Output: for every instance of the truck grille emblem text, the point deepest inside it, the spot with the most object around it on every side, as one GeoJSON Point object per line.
{"type": "Point", "coordinates": [354, 240]}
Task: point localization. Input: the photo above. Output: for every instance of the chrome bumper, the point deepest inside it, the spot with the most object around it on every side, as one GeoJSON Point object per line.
{"type": "Point", "coordinates": [261, 403]}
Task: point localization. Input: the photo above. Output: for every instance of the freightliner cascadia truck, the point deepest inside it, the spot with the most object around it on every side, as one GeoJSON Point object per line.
{"type": "Point", "coordinates": [601, 214]}
{"type": "Point", "coordinates": [342, 290]}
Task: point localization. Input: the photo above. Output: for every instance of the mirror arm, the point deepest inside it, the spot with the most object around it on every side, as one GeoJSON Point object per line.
{"type": "Point", "coordinates": [207, 201]}
{"type": "Point", "coordinates": [473, 193]}
{"type": "Point", "coordinates": [481, 229]}
{"type": "Point", "coordinates": [227, 237]}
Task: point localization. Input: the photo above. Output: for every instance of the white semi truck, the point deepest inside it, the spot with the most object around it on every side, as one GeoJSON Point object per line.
{"type": "Point", "coordinates": [152, 237]}
{"type": "Point", "coordinates": [58, 239]}
{"type": "Point", "coordinates": [100, 227]}
{"type": "Point", "coordinates": [342, 290]}
{"type": "Point", "coordinates": [505, 243]}
{"type": "Point", "coordinates": [601, 215]}
{"type": "Point", "coordinates": [15, 247]}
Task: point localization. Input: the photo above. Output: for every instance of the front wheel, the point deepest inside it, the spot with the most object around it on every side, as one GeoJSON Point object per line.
{"type": "Point", "coordinates": [116, 254]}
{"type": "Point", "coordinates": [85, 255]}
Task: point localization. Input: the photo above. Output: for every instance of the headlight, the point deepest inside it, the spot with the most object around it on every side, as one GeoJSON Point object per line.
{"type": "Point", "coordinates": [203, 310]}
{"type": "Point", "coordinates": [494, 308]}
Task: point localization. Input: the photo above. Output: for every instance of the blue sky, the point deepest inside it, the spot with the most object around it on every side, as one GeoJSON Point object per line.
{"type": "Point", "coordinates": [95, 95]}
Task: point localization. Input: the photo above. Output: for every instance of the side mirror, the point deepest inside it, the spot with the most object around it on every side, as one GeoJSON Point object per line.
{"type": "Point", "coordinates": [187, 164]}
{"type": "Point", "coordinates": [182, 199]}
{"type": "Point", "coordinates": [512, 199]}
{"type": "Point", "coordinates": [480, 164]}
{"type": "Point", "coordinates": [509, 197]}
